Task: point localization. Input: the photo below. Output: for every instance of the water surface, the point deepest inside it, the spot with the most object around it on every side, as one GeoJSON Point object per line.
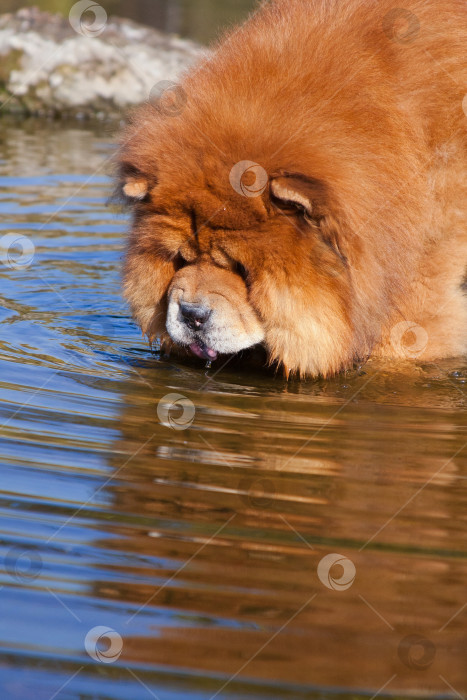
{"type": "Point", "coordinates": [201, 534]}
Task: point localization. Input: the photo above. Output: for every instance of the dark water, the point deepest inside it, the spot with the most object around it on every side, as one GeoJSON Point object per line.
{"type": "Point", "coordinates": [198, 19]}
{"type": "Point", "coordinates": [202, 535]}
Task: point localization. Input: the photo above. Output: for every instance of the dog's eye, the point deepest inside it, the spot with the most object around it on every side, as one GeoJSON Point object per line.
{"type": "Point", "coordinates": [241, 270]}
{"type": "Point", "coordinates": [179, 262]}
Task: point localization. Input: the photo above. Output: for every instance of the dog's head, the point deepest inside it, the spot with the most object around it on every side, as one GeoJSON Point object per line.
{"type": "Point", "coordinates": [225, 254]}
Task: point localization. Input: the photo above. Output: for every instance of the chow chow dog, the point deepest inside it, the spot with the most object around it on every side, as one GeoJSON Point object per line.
{"type": "Point", "coordinates": [304, 188]}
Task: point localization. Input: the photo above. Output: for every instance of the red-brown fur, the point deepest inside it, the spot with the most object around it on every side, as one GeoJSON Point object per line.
{"type": "Point", "coordinates": [321, 89]}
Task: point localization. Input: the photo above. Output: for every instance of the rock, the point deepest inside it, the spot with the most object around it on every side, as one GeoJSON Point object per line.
{"type": "Point", "coordinates": [96, 68]}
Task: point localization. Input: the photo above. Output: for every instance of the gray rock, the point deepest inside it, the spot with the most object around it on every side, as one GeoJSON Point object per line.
{"type": "Point", "coordinates": [49, 67]}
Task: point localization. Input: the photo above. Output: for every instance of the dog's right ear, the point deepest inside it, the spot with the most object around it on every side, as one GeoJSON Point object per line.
{"type": "Point", "coordinates": [132, 185]}
{"type": "Point", "coordinates": [135, 188]}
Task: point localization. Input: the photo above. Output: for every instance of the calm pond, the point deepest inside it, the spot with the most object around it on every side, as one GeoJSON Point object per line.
{"type": "Point", "coordinates": [263, 539]}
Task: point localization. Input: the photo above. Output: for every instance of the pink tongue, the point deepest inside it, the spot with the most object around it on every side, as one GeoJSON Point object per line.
{"type": "Point", "coordinates": [202, 351]}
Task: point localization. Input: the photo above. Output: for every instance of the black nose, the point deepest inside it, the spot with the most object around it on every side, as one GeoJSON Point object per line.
{"type": "Point", "coordinates": [195, 316]}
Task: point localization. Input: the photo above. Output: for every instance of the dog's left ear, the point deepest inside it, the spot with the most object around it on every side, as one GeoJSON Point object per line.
{"type": "Point", "coordinates": [293, 191]}
{"type": "Point", "coordinates": [309, 198]}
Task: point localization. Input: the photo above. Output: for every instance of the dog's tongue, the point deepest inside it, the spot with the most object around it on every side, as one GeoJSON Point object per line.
{"type": "Point", "coordinates": [201, 350]}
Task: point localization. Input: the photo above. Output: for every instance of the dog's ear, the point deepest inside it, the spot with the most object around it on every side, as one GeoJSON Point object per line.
{"type": "Point", "coordinates": [132, 185]}
{"type": "Point", "coordinates": [135, 187]}
{"type": "Point", "coordinates": [309, 198]}
{"type": "Point", "coordinates": [292, 192]}
{"type": "Point", "coordinates": [305, 194]}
